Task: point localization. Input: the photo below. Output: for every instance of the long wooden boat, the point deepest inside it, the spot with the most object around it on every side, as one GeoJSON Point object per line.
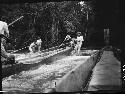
{"type": "Point", "coordinates": [101, 72]}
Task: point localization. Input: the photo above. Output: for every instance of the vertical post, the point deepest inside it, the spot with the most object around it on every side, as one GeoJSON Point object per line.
{"type": "Point", "coordinates": [87, 21]}
{"type": "Point", "coordinates": [87, 16]}
{"type": "Point", "coordinates": [106, 36]}
{"type": "Point", "coordinates": [86, 32]}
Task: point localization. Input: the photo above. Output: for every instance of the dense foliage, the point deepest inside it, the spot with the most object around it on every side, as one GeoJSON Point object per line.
{"type": "Point", "coordinates": [51, 21]}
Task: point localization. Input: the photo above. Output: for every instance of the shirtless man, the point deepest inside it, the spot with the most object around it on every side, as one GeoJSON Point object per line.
{"type": "Point", "coordinates": [4, 32]}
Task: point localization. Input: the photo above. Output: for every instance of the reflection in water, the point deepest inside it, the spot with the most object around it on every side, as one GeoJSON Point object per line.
{"type": "Point", "coordinates": [42, 78]}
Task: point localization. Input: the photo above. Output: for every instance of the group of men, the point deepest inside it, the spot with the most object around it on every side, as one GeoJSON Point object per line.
{"type": "Point", "coordinates": [75, 43]}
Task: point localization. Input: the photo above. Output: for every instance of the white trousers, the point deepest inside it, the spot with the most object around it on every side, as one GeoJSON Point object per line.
{"type": "Point", "coordinates": [39, 46]}
{"type": "Point", "coordinates": [78, 46]}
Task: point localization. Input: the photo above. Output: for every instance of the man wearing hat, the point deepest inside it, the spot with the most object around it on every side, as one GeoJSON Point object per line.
{"type": "Point", "coordinates": [4, 33]}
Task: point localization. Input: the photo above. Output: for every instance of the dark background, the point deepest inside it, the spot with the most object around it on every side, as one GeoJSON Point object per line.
{"type": "Point", "coordinates": [110, 14]}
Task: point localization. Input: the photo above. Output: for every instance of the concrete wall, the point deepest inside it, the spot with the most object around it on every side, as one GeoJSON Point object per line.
{"type": "Point", "coordinates": [77, 78]}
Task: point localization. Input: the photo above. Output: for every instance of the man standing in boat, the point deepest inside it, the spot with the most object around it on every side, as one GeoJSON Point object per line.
{"type": "Point", "coordinates": [4, 34]}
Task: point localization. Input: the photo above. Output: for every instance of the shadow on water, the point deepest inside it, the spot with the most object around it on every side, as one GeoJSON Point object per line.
{"type": "Point", "coordinates": [15, 69]}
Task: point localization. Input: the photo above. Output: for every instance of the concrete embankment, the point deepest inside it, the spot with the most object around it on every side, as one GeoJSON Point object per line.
{"type": "Point", "coordinates": [77, 78]}
{"type": "Point", "coordinates": [99, 72]}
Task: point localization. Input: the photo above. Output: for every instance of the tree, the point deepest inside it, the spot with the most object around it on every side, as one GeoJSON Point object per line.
{"type": "Point", "coordinates": [49, 20]}
{"type": "Point", "coordinates": [87, 9]}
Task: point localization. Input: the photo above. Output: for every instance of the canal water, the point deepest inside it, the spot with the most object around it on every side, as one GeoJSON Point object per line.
{"type": "Point", "coordinates": [42, 77]}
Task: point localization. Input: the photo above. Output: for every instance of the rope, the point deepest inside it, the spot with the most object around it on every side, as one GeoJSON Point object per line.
{"type": "Point", "coordinates": [19, 49]}
{"type": "Point", "coordinates": [43, 50]}
{"type": "Point", "coordinates": [28, 46]}
{"type": "Point", "coordinates": [24, 43]}
{"type": "Point", "coordinates": [23, 47]}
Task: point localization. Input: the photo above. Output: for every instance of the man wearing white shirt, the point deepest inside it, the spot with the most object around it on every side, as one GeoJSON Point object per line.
{"type": "Point", "coordinates": [39, 41]}
{"type": "Point", "coordinates": [79, 42]}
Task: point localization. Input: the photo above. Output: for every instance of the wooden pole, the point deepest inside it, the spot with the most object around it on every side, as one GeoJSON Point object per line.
{"type": "Point", "coordinates": [15, 20]}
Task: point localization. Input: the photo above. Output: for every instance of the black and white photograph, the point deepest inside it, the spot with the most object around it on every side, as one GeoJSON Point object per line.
{"type": "Point", "coordinates": [62, 46]}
